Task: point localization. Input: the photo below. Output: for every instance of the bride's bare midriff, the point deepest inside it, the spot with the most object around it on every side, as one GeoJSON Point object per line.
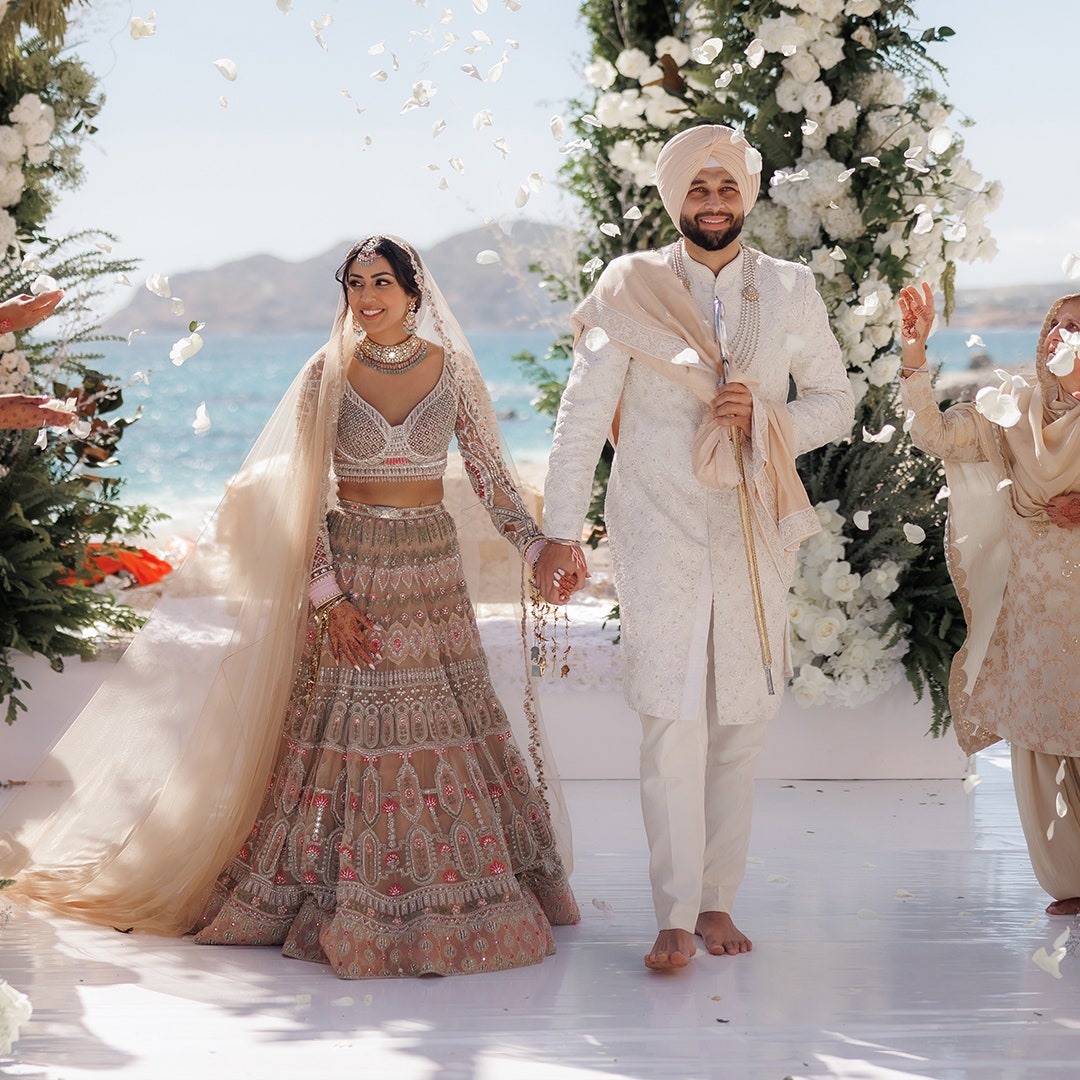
{"type": "Point", "coordinates": [394, 493]}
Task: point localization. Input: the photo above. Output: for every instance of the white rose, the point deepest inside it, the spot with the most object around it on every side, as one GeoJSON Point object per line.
{"type": "Point", "coordinates": [839, 583]}
{"type": "Point", "coordinates": [880, 335]}
{"type": "Point", "coordinates": [7, 231]}
{"type": "Point", "coordinates": [600, 73]}
{"type": "Point", "coordinates": [38, 155]}
{"type": "Point", "coordinates": [840, 117]}
{"type": "Point", "coordinates": [12, 360]}
{"type": "Point", "coordinates": [783, 34]}
{"type": "Point", "coordinates": [789, 95]}
{"type": "Point", "coordinates": [678, 50]}
{"type": "Point", "coordinates": [816, 139]}
{"type": "Point", "coordinates": [830, 9]}
{"type": "Point", "coordinates": [40, 131]}
{"type": "Point", "coordinates": [859, 386]}
{"type": "Point", "coordinates": [15, 1011]}
{"type": "Point", "coordinates": [824, 637]}
{"type": "Point", "coordinates": [810, 686]}
{"type": "Point", "coordinates": [802, 67]}
{"type": "Point", "coordinates": [631, 63]}
{"type": "Point", "coordinates": [11, 185]}
{"type": "Point", "coordinates": [861, 9]}
{"type": "Point", "coordinates": [828, 51]}
{"type": "Point", "coordinates": [7, 342]}
{"type": "Point", "coordinates": [860, 354]}
{"type": "Point", "coordinates": [865, 37]}
{"type": "Point", "coordinates": [828, 515]}
{"type": "Point", "coordinates": [11, 144]}
{"type": "Point", "coordinates": [652, 76]}
{"type": "Point", "coordinates": [27, 111]}
{"type": "Point", "coordinates": [664, 111]}
{"type": "Point", "coordinates": [816, 97]}
{"type": "Point", "coordinates": [607, 109]}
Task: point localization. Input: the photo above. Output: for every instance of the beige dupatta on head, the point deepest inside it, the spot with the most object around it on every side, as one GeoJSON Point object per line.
{"type": "Point", "coordinates": [644, 309]}
{"type": "Point", "coordinates": [1040, 455]}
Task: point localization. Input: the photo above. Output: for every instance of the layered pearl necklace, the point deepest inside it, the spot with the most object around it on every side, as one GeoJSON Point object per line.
{"type": "Point", "coordinates": [391, 359]}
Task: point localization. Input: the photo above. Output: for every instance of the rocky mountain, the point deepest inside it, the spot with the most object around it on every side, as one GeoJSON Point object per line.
{"type": "Point", "coordinates": [263, 294]}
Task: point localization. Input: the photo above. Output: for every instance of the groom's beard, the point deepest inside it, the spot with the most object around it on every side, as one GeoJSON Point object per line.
{"type": "Point", "coordinates": [710, 239]}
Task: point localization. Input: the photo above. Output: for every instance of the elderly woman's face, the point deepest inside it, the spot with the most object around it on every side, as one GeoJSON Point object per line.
{"type": "Point", "coordinates": [1067, 320]}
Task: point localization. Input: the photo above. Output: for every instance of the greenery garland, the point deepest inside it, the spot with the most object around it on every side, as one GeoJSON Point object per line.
{"type": "Point", "coordinates": [55, 498]}
{"type": "Point", "coordinates": [863, 179]}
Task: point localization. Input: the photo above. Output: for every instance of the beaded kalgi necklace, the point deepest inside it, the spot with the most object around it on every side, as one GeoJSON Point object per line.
{"type": "Point", "coordinates": [744, 344]}
{"type": "Point", "coordinates": [391, 359]}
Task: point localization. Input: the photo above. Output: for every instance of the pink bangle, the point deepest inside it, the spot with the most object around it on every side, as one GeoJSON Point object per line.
{"type": "Point", "coordinates": [322, 589]}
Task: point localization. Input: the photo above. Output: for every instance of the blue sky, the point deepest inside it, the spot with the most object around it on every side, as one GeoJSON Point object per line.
{"type": "Point", "coordinates": [286, 168]}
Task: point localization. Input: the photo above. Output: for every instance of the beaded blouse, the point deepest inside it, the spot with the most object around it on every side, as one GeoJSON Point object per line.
{"type": "Point", "coordinates": [370, 448]}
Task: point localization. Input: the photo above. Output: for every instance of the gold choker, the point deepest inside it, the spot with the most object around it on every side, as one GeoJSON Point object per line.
{"type": "Point", "coordinates": [391, 359]}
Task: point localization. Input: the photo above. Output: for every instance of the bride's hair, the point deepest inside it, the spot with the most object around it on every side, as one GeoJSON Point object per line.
{"type": "Point", "coordinates": [401, 263]}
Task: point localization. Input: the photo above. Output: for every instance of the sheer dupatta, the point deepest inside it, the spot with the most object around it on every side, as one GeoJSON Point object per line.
{"type": "Point", "coordinates": [154, 786]}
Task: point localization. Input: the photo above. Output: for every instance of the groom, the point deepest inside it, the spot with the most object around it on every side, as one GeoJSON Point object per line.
{"type": "Point", "coordinates": [699, 339]}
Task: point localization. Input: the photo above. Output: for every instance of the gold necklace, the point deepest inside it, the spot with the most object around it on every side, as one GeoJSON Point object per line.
{"type": "Point", "coordinates": [391, 359]}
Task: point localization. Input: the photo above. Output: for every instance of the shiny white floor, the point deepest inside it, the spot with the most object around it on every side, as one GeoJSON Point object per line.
{"type": "Point", "coordinates": [894, 924]}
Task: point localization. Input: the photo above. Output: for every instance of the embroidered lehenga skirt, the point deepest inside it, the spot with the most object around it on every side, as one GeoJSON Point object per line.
{"type": "Point", "coordinates": [401, 833]}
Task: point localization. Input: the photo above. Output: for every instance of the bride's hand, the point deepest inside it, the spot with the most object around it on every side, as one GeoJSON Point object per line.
{"type": "Point", "coordinates": [917, 312]}
{"type": "Point", "coordinates": [1064, 510]}
{"type": "Point", "coordinates": [354, 638]}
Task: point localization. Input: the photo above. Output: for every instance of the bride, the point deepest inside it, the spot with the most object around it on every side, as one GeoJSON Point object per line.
{"type": "Point", "coordinates": [323, 765]}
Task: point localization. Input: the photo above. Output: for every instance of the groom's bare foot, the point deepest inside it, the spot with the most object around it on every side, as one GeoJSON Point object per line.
{"type": "Point", "coordinates": [672, 949]}
{"type": "Point", "coordinates": [1065, 907]}
{"type": "Point", "coordinates": [721, 935]}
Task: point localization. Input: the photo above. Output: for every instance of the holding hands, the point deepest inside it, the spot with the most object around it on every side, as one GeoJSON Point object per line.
{"type": "Point", "coordinates": [559, 571]}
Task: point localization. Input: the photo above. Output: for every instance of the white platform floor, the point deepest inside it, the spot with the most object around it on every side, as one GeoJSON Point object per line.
{"type": "Point", "coordinates": [894, 925]}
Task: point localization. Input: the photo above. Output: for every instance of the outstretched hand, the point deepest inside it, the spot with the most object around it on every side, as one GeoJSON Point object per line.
{"type": "Point", "coordinates": [23, 311]}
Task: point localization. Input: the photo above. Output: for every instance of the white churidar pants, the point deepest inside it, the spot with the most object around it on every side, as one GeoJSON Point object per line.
{"type": "Point", "coordinates": [697, 792]}
{"type": "Point", "coordinates": [1056, 861]}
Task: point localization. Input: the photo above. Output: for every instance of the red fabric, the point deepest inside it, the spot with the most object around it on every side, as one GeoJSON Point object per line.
{"type": "Point", "coordinates": [105, 559]}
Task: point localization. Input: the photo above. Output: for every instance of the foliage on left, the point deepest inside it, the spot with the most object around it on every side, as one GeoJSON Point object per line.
{"type": "Point", "coordinates": [54, 497]}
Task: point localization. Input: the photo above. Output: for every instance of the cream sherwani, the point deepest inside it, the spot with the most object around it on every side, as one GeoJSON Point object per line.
{"type": "Point", "coordinates": [690, 648]}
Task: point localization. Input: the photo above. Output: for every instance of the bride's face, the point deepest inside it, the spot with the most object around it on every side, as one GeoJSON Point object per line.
{"type": "Point", "coordinates": [377, 300]}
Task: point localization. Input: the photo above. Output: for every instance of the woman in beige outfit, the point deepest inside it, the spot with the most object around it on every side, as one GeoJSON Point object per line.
{"type": "Point", "coordinates": [1013, 547]}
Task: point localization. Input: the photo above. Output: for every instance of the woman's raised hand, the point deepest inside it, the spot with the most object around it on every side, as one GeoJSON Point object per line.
{"type": "Point", "coordinates": [917, 313]}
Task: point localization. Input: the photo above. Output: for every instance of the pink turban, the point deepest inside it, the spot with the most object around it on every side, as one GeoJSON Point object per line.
{"type": "Point", "coordinates": [710, 145]}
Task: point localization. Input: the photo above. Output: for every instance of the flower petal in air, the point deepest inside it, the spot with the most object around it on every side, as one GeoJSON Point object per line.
{"type": "Point", "coordinates": [502, 146]}
{"type": "Point", "coordinates": [915, 534]}
{"type": "Point", "coordinates": [924, 223]}
{"type": "Point", "coordinates": [558, 128]}
{"type": "Point", "coordinates": [122, 279]}
{"type": "Point", "coordinates": [522, 196]}
{"type": "Point", "coordinates": [158, 284]}
{"type": "Point", "coordinates": [942, 493]}
{"type": "Point", "coordinates": [755, 53]}
{"type": "Point", "coordinates": [1060, 773]}
{"type": "Point", "coordinates": [1050, 963]}
{"type": "Point", "coordinates": [42, 439]}
{"type": "Point", "coordinates": [227, 68]}
{"type": "Point", "coordinates": [809, 127]}
{"type": "Point", "coordinates": [940, 139]}
{"type": "Point", "coordinates": [479, 6]}
{"type": "Point", "coordinates": [596, 339]}
{"type": "Point", "coordinates": [687, 358]}
{"type": "Point", "coordinates": [975, 340]}
{"type": "Point", "coordinates": [177, 305]}
{"type": "Point", "coordinates": [1050, 830]}
{"type": "Point", "coordinates": [1003, 484]}
{"type": "Point", "coordinates": [141, 28]}
{"type": "Point", "coordinates": [998, 407]}
{"type": "Point", "coordinates": [457, 165]}
{"type": "Point", "coordinates": [1070, 266]}
{"type": "Point", "coordinates": [592, 266]}
{"type": "Point", "coordinates": [185, 349]}
{"type": "Point", "coordinates": [472, 72]}
{"type": "Point", "coordinates": [487, 257]}
{"type": "Point", "coordinates": [284, 6]}
{"type": "Point", "coordinates": [1063, 361]}
{"type": "Point", "coordinates": [708, 50]}
{"type": "Point", "coordinates": [837, 253]}
{"type": "Point", "coordinates": [484, 118]}
{"type": "Point", "coordinates": [861, 519]}
{"type": "Point", "coordinates": [201, 424]}
{"type": "Point", "coordinates": [536, 181]}
{"type": "Point", "coordinates": [223, 102]}
{"type": "Point", "coordinates": [633, 214]}
{"type": "Point", "coordinates": [43, 283]}
{"type": "Point", "coordinates": [871, 160]}
{"type": "Point", "coordinates": [438, 128]}
{"type": "Point", "coordinates": [971, 782]}
{"type": "Point", "coordinates": [1061, 807]}
{"type": "Point", "coordinates": [609, 228]}
{"type": "Point", "coordinates": [377, 49]}
{"type": "Point", "coordinates": [130, 338]}
{"type": "Point", "coordinates": [845, 175]}
{"type": "Point", "coordinates": [482, 36]}
{"type": "Point", "coordinates": [752, 160]}
{"type": "Point", "coordinates": [903, 894]}
{"type": "Point", "coordinates": [883, 436]}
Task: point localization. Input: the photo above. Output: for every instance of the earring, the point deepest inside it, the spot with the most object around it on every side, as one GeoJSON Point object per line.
{"type": "Point", "coordinates": [410, 320]}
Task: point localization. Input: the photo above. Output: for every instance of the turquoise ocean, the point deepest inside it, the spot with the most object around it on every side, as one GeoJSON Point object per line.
{"type": "Point", "coordinates": [241, 379]}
